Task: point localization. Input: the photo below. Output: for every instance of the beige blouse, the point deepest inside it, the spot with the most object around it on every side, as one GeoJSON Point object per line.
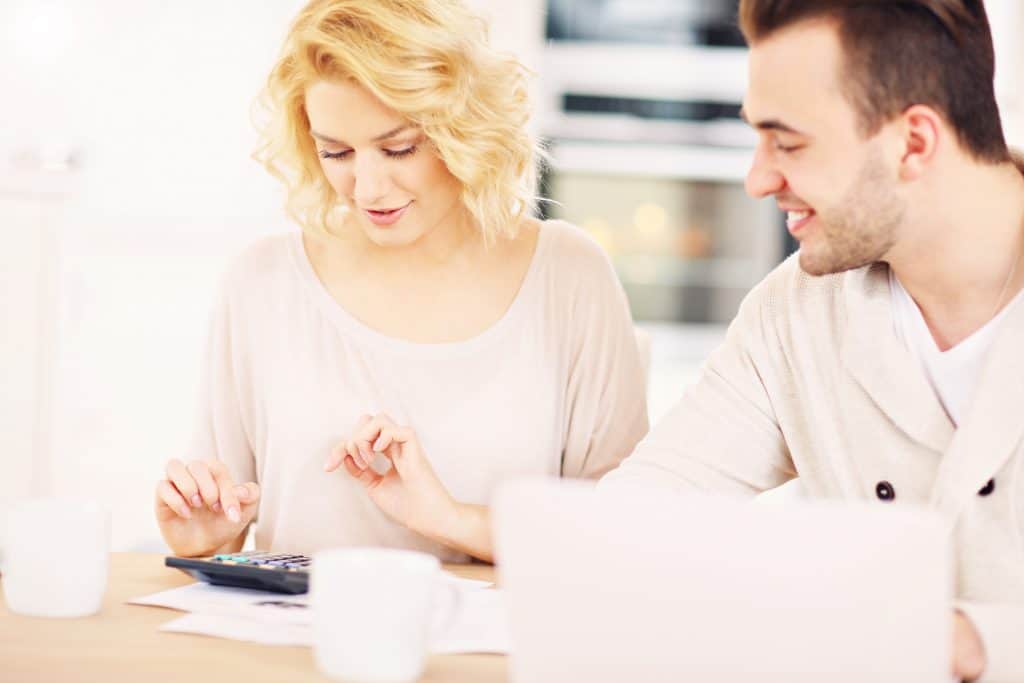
{"type": "Point", "coordinates": [555, 388]}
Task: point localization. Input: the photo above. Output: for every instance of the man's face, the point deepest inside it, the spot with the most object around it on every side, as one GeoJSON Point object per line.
{"type": "Point", "coordinates": [839, 190]}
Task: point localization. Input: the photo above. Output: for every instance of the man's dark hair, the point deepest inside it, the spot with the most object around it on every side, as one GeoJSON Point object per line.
{"type": "Point", "coordinates": [898, 53]}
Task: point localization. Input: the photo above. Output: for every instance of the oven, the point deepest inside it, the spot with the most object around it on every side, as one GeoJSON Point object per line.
{"type": "Point", "coordinates": [639, 106]}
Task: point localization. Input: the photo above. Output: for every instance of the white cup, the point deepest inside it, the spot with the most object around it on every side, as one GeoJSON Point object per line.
{"type": "Point", "coordinates": [373, 609]}
{"type": "Point", "coordinates": [56, 557]}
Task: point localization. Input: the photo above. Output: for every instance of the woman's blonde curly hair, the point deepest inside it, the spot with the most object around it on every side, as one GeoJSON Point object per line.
{"type": "Point", "coordinates": [428, 60]}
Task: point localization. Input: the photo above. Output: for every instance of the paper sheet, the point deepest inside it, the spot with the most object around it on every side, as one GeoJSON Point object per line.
{"type": "Point", "coordinates": [278, 619]}
{"type": "Point", "coordinates": [479, 627]}
{"type": "Point", "coordinates": [244, 603]}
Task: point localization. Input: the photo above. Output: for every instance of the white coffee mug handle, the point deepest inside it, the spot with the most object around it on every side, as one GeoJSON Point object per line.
{"type": "Point", "coordinates": [454, 604]}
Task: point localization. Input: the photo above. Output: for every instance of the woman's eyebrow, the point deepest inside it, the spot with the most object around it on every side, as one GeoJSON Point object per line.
{"type": "Point", "coordinates": [392, 133]}
{"type": "Point", "coordinates": [325, 138]}
{"type": "Point", "coordinates": [384, 136]}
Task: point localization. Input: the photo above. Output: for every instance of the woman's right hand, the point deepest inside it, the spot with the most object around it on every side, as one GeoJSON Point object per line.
{"type": "Point", "coordinates": [200, 510]}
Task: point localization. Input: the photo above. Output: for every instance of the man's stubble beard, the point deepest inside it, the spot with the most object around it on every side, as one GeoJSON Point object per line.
{"type": "Point", "coordinates": [860, 229]}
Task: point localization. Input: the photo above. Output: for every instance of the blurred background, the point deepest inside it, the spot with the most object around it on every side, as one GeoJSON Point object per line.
{"type": "Point", "coordinates": [126, 185]}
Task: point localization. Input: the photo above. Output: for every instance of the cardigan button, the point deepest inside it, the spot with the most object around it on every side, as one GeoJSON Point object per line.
{"type": "Point", "coordinates": [885, 491]}
{"type": "Point", "coordinates": [988, 488]}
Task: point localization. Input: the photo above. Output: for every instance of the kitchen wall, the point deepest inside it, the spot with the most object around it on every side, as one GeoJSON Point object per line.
{"type": "Point", "coordinates": [153, 117]}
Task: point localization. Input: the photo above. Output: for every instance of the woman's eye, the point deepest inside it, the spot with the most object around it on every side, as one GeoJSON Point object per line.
{"type": "Point", "coordinates": [399, 153]}
{"type": "Point", "coordinates": [324, 154]}
{"type": "Point", "coordinates": [785, 149]}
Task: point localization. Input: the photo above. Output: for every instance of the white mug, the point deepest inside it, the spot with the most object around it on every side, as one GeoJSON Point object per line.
{"type": "Point", "coordinates": [373, 610]}
{"type": "Point", "coordinates": [56, 557]}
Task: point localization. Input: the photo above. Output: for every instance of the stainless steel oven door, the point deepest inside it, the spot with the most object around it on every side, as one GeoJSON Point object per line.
{"type": "Point", "coordinates": [685, 239]}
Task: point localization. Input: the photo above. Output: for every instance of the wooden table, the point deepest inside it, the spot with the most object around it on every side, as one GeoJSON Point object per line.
{"type": "Point", "coordinates": [122, 643]}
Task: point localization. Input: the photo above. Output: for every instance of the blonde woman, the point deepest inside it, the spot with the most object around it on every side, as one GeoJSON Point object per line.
{"type": "Point", "coordinates": [422, 329]}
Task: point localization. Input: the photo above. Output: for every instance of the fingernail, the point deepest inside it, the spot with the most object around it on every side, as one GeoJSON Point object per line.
{"type": "Point", "coordinates": [241, 491]}
{"type": "Point", "coordinates": [233, 514]}
{"type": "Point", "coordinates": [215, 507]}
{"type": "Point", "coordinates": [185, 512]}
{"type": "Point", "coordinates": [327, 465]}
{"type": "Point", "coordinates": [196, 501]}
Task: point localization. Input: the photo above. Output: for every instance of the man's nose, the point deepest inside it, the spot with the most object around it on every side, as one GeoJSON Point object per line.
{"type": "Point", "coordinates": [763, 179]}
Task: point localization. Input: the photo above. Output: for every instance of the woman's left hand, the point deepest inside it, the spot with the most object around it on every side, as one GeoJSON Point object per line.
{"type": "Point", "coordinates": [409, 492]}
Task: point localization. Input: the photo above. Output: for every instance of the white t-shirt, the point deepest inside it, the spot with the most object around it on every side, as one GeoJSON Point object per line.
{"type": "Point", "coordinates": [952, 373]}
{"type": "Point", "coordinates": [555, 387]}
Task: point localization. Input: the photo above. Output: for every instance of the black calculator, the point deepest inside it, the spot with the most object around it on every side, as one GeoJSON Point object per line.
{"type": "Point", "coordinates": [260, 570]}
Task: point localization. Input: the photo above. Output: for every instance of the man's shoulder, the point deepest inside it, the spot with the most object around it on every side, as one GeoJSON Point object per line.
{"type": "Point", "coordinates": [789, 293]}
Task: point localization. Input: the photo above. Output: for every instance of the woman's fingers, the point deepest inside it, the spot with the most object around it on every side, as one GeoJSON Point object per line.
{"type": "Point", "coordinates": [228, 497]}
{"type": "Point", "coordinates": [248, 493]}
{"type": "Point", "coordinates": [335, 458]}
{"type": "Point", "coordinates": [208, 488]}
{"type": "Point", "coordinates": [384, 439]}
{"type": "Point", "coordinates": [366, 476]}
{"type": "Point", "coordinates": [168, 495]}
{"type": "Point", "coordinates": [351, 467]}
{"type": "Point", "coordinates": [352, 451]}
{"type": "Point", "coordinates": [360, 437]}
{"type": "Point", "coordinates": [369, 433]}
{"type": "Point", "coordinates": [365, 452]}
{"type": "Point", "coordinates": [392, 434]}
{"type": "Point", "coordinates": [179, 476]}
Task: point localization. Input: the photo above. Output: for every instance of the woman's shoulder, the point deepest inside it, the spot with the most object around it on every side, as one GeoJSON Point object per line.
{"type": "Point", "coordinates": [267, 258]}
{"type": "Point", "coordinates": [574, 269]}
{"type": "Point", "coordinates": [573, 251]}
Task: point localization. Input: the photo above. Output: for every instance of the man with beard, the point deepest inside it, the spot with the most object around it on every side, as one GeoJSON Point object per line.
{"type": "Point", "coordinates": [885, 361]}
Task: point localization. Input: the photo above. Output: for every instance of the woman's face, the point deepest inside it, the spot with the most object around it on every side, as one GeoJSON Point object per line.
{"type": "Point", "coordinates": [382, 166]}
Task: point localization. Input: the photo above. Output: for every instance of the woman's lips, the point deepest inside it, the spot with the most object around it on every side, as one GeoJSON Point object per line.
{"type": "Point", "coordinates": [387, 216]}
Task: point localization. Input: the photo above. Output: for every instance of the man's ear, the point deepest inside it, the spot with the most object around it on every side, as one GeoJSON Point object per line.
{"type": "Point", "coordinates": [922, 130]}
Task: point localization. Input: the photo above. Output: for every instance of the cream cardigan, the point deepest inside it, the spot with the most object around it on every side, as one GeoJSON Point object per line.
{"type": "Point", "coordinates": [812, 381]}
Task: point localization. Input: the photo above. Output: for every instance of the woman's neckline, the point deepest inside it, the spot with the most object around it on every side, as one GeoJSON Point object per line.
{"type": "Point", "coordinates": [367, 335]}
